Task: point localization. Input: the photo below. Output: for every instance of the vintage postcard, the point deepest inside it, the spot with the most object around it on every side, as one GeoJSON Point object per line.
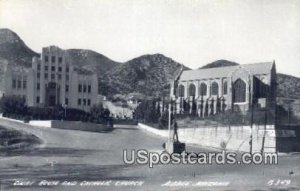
{"type": "Point", "coordinates": [149, 95]}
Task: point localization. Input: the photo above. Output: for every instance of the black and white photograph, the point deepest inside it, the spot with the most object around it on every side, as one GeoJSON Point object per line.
{"type": "Point", "coordinates": [150, 95]}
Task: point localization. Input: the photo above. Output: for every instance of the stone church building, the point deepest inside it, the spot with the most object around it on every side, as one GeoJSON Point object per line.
{"type": "Point", "coordinates": [215, 90]}
{"type": "Point", "coordinates": [53, 79]}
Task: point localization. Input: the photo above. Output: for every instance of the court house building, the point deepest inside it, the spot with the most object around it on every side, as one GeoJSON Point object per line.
{"type": "Point", "coordinates": [52, 80]}
{"type": "Point", "coordinates": [214, 90]}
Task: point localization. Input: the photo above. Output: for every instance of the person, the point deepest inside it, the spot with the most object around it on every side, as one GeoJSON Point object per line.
{"type": "Point", "coordinates": [175, 135]}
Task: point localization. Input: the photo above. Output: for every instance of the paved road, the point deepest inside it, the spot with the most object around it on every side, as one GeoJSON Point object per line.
{"type": "Point", "coordinates": [84, 156]}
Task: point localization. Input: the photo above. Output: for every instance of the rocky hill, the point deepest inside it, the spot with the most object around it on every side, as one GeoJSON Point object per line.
{"type": "Point", "coordinates": [13, 51]}
{"type": "Point", "coordinates": [219, 63]}
{"type": "Point", "coordinates": [147, 74]}
{"type": "Point", "coordinates": [91, 60]}
{"type": "Point", "coordinates": [288, 86]}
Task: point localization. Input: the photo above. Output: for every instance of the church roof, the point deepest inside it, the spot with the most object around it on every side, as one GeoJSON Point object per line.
{"type": "Point", "coordinates": [221, 72]}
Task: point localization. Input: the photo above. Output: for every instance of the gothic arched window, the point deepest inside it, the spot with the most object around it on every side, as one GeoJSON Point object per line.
{"type": "Point", "coordinates": [239, 91]}
{"type": "Point", "coordinates": [203, 89]}
{"type": "Point", "coordinates": [181, 91]}
{"type": "Point", "coordinates": [225, 88]}
{"type": "Point", "coordinates": [214, 88]}
{"type": "Point", "coordinates": [192, 90]}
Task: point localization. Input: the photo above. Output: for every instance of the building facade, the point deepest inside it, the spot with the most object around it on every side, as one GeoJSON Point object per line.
{"type": "Point", "coordinates": [52, 80]}
{"type": "Point", "coordinates": [214, 90]}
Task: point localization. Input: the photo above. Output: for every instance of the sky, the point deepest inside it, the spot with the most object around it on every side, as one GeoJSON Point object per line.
{"type": "Point", "coordinates": [192, 32]}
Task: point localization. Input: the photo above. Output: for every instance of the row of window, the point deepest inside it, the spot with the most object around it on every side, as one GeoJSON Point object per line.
{"type": "Point", "coordinates": [38, 100]}
{"type": "Point", "coordinates": [53, 68]}
{"type": "Point", "coordinates": [238, 90]}
{"type": "Point", "coordinates": [38, 86]}
{"type": "Point", "coordinates": [84, 102]}
{"type": "Point", "coordinates": [214, 89]}
{"type": "Point", "coordinates": [53, 59]}
{"type": "Point", "coordinates": [84, 88]}
{"type": "Point", "coordinates": [17, 84]}
{"type": "Point", "coordinates": [59, 76]}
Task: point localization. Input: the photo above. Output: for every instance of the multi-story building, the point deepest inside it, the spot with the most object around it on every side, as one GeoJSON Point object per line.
{"type": "Point", "coordinates": [52, 80]}
{"type": "Point", "coordinates": [214, 90]}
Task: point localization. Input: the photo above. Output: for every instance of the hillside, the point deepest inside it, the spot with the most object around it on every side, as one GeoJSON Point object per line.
{"type": "Point", "coordinates": [13, 51]}
{"type": "Point", "coordinates": [146, 74]}
{"type": "Point", "coordinates": [288, 86]}
{"type": "Point", "coordinates": [91, 60]}
{"type": "Point", "coordinates": [219, 63]}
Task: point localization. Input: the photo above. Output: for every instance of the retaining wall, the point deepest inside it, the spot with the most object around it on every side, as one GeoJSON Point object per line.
{"type": "Point", "coordinates": [235, 138]}
{"type": "Point", "coordinates": [71, 125]}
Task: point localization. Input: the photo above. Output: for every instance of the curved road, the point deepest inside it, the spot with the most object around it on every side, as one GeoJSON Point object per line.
{"type": "Point", "coordinates": [80, 156]}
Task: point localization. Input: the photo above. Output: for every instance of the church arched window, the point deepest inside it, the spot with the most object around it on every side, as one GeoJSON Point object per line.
{"type": "Point", "coordinates": [239, 91]}
{"type": "Point", "coordinates": [214, 88]}
{"type": "Point", "coordinates": [181, 91]}
{"type": "Point", "coordinates": [203, 89]}
{"type": "Point", "coordinates": [225, 87]}
{"type": "Point", "coordinates": [192, 90]}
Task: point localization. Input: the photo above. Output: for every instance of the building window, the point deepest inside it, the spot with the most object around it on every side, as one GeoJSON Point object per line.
{"type": "Point", "coordinates": [67, 77]}
{"type": "Point", "coordinates": [88, 102]}
{"type": "Point", "coordinates": [38, 99]}
{"type": "Point", "coordinates": [84, 101]}
{"type": "Point", "coordinates": [203, 89]}
{"type": "Point", "coordinates": [52, 76]}
{"type": "Point", "coordinates": [59, 59]}
{"type": "Point", "coordinates": [89, 88]}
{"type": "Point", "coordinates": [24, 84]}
{"type": "Point", "coordinates": [39, 67]}
{"type": "Point", "coordinates": [52, 68]}
{"type": "Point", "coordinates": [192, 90]}
{"type": "Point", "coordinates": [38, 75]}
{"type": "Point", "coordinates": [59, 76]}
{"type": "Point", "coordinates": [46, 68]}
{"type": "Point", "coordinates": [53, 59]}
{"type": "Point", "coordinates": [239, 91]}
{"type": "Point", "coordinates": [79, 101]}
{"type": "Point", "coordinates": [181, 91]}
{"type": "Point", "coordinates": [84, 88]}
{"type": "Point", "coordinates": [19, 84]}
{"type": "Point", "coordinates": [46, 75]}
{"type": "Point", "coordinates": [67, 68]}
{"type": "Point", "coordinates": [14, 83]}
{"type": "Point", "coordinates": [225, 88]}
{"type": "Point", "coordinates": [79, 87]}
{"type": "Point", "coordinates": [38, 86]}
{"type": "Point", "coordinates": [59, 69]}
{"type": "Point", "coordinates": [66, 101]}
{"type": "Point", "coordinates": [67, 88]}
{"type": "Point", "coordinates": [214, 88]}
{"type": "Point", "coordinates": [46, 58]}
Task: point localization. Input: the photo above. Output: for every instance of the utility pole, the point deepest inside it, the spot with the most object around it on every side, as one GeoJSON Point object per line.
{"type": "Point", "coordinates": [251, 121]}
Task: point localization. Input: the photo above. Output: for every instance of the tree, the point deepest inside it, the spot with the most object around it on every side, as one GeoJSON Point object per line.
{"type": "Point", "coordinates": [13, 105]}
{"type": "Point", "coordinates": [99, 114]}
